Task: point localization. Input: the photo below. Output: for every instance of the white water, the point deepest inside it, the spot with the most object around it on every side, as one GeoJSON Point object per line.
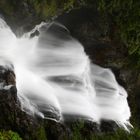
{"type": "Point", "coordinates": [55, 77]}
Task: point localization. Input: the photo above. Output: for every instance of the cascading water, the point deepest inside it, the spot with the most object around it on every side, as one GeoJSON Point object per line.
{"type": "Point", "coordinates": [55, 77]}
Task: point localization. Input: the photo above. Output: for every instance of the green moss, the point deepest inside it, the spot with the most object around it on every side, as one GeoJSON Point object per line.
{"type": "Point", "coordinates": [9, 135]}
{"type": "Point", "coordinates": [126, 16]}
{"type": "Point", "coordinates": [50, 8]}
{"type": "Point", "coordinates": [69, 4]}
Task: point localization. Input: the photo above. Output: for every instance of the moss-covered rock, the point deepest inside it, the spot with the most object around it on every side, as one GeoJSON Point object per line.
{"type": "Point", "coordinates": [9, 135]}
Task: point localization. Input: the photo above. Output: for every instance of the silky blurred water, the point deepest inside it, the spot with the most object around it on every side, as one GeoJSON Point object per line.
{"type": "Point", "coordinates": [54, 76]}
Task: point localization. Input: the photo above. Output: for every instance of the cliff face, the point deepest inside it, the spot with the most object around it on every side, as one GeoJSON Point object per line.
{"type": "Point", "coordinates": [102, 42]}
{"type": "Point", "coordinates": [22, 15]}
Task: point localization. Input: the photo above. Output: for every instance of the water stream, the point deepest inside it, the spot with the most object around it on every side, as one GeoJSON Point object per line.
{"type": "Point", "coordinates": [55, 77]}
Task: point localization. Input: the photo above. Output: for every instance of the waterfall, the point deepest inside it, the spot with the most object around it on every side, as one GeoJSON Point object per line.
{"type": "Point", "coordinates": [55, 77]}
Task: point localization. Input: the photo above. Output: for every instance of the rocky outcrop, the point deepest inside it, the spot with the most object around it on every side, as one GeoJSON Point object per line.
{"type": "Point", "coordinates": [11, 116]}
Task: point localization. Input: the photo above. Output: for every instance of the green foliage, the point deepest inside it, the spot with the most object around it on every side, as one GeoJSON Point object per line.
{"type": "Point", "coordinates": [118, 135]}
{"type": "Point", "coordinates": [9, 135]}
{"type": "Point", "coordinates": [126, 15]}
{"type": "Point", "coordinates": [44, 8]}
{"type": "Point", "coordinates": [41, 134]}
{"type": "Point", "coordinates": [50, 8]}
{"type": "Point", "coordinates": [69, 5]}
{"type": "Point", "coordinates": [76, 128]}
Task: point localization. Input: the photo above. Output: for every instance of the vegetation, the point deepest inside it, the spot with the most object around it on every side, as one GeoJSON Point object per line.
{"type": "Point", "coordinates": [120, 134]}
{"type": "Point", "coordinates": [125, 15]}
{"type": "Point", "coordinates": [76, 128]}
{"type": "Point", "coordinates": [9, 135]}
{"type": "Point", "coordinates": [41, 134]}
{"type": "Point", "coordinates": [49, 8]}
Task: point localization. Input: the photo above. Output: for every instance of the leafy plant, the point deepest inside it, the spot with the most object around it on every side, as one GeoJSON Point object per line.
{"type": "Point", "coordinates": [9, 135]}
{"type": "Point", "coordinates": [120, 134]}
{"type": "Point", "coordinates": [126, 16]}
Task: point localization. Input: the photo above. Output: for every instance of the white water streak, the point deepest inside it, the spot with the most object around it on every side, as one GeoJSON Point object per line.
{"type": "Point", "coordinates": [54, 76]}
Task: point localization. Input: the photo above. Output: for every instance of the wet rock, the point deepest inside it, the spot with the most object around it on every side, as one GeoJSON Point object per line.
{"type": "Point", "coordinates": [11, 116]}
{"type": "Point", "coordinates": [108, 126]}
{"type": "Point", "coordinates": [7, 76]}
{"type": "Point", "coordinates": [57, 131]}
